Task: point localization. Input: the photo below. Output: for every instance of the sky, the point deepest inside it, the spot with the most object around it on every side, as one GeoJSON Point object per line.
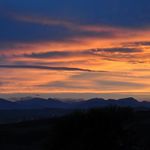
{"type": "Point", "coordinates": [74, 46]}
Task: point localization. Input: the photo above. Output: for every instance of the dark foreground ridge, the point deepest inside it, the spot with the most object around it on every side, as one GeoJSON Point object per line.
{"type": "Point", "coordinates": [112, 128]}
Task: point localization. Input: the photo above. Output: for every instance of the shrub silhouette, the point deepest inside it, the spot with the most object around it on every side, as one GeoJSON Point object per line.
{"type": "Point", "coordinates": [92, 130]}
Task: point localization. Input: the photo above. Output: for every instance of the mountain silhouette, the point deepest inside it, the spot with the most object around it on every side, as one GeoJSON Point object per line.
{"type": "Point", "coordinates": [41, 103]}
{"type": "Point", "coordinates": [34, 108]}
{"type": "Point", "coordinates": [91, 103]}
{"type": "Point", "coordinates": [128, 102]}
{"type": "Point", "coordinates": [5, 104]}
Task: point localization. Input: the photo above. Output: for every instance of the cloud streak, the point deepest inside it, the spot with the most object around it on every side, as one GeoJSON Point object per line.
{"type": "Point", "coordinates": [44, 68]}
{"type": "Point", "coordinates": [118, 50]}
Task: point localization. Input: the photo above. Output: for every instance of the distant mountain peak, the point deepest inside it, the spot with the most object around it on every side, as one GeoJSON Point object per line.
{"type": "Point", "coordinates": [4, 100]}
{"type": "Point", "coordinates": [96, 99]}
{"type": "Point", "coordinates": [129, 99]}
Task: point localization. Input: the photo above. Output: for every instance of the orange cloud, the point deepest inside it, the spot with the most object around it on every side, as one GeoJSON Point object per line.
{"type": "Point", "coordinates": [123, 58]}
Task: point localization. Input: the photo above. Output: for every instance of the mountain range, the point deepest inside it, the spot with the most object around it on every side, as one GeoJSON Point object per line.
{"type": "Point", "coordinates": [51, 103]}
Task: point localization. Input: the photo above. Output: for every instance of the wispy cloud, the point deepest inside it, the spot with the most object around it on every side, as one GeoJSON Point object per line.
{"type": "Point", "coordinates": [44, 68]}
{"type": "Point", "coordinates": [118, 50]}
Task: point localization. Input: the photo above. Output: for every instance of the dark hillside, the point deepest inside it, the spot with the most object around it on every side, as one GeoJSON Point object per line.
{"type": "Point", "coordinates": [108, 128]}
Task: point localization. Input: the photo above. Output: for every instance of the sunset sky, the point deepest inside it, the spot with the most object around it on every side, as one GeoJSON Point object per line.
{"type": "Point", "coordinates": [74, 46]}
